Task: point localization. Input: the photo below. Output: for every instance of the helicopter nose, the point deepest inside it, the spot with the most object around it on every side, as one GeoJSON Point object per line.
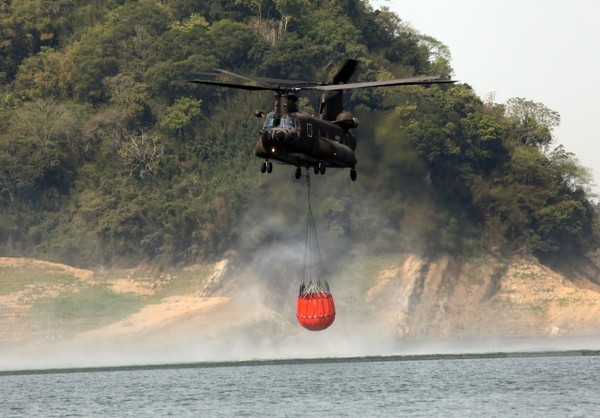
{"type": "Point", "coordinates": [276, 136]}
{"type": "Point", "coordinates": [266, 136]}
{"type": "Point", "coordinates": [280, 136]}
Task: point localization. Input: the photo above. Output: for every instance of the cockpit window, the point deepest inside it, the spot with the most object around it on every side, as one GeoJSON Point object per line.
{"type": "Point", "coordinates": [273, 121]}
{"type": "Point", "coordinates": [288, 121]}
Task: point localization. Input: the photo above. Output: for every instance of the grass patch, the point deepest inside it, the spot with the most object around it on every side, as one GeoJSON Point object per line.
{"type": "Point", "coordinates": [83, 305]}
{"type": "Point", "coordinates": [474, 275]}
{"type": "Point", "coordinates": [92, 306]}
{"type": "Point", "coordinates": [16, 278]}
{"type": "Point", "coordinates": [539, 307]}
{"type": "Point", "coordinates": [170, 283]}
{"type": "Point", "coordinates": [528, 275]}
{"type": "Point", "coordinates": [181, 282]}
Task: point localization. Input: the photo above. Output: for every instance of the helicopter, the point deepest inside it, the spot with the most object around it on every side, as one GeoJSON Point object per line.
{"type": "Point", "coordinates": [290, 136]}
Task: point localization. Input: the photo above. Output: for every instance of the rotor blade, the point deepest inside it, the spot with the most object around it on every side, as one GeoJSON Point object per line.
{"type": "Point", "coordinates": [243, 77]}
{"type": "Point", "coordinates": [345, 72]}
{"type": "Point", "coordinates": [265, 80]}
{"type": "Point", "coordinates": [292, 83]}
{"type": "Point", "coordinates": [208, 74]}
{"type": "Point", "coordinates": [397, 82]}
{"type": "Point", "coordinates": [232, 85]}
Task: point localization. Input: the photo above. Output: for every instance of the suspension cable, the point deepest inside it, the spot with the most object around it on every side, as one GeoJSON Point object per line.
{"type": "Point", "coordinates": [313, 260]}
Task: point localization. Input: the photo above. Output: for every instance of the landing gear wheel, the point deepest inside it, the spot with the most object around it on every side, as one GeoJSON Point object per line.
{"type": "Point", "coordinates": [263, 167]}
{"type": "Point", "coordinates": [269, 167]}
{"type": "Point", "coordinates": [353, 174]}
{"type": "Point", "coordinates": [322, 168]}
{"type": "Point", "coordinates": [316, 169]}
{"type": "Point", "coordinates": [298, 172]}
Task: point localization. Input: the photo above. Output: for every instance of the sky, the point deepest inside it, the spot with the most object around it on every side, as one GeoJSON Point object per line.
{"type": "Point", "coordinates": [547, 51]}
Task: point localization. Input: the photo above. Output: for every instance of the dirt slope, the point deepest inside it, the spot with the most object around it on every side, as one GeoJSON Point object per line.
{"type": "Point", "coordinates": [412, 299]}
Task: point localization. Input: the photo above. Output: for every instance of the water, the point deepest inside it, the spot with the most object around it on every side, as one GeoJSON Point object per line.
{"type": "Point", "coordinates": [491, 385]}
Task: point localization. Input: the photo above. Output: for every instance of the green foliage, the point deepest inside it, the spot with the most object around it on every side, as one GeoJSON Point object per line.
{"type": "Point", "coordinates": [232, 41]}
{"type": "Point", "coordinates": [42, 75]}
{"type": "Point", "coordinates": [531, 123]}
{"type": "Point", "coordinates": [109, 155]}
{"type": "Point", "coordinates": [335, 35]}
{"type": "Point", "coordinates": [289, 56]}
{"type": "Point", "coordinates": [179, 117]}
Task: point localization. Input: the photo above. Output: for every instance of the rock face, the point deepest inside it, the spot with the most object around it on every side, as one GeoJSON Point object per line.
{"type": "Point", "coordinates": [238, 311]}
{"type": "Point", "coordinates": [447, 299]}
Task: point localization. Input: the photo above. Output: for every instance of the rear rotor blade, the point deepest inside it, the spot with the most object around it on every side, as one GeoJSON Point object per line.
{"type": "Point", "coordinates": [345, 72]}
{"type": "Point", "coordinates": [397, 82]}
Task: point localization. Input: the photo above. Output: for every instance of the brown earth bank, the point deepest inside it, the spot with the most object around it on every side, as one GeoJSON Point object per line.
{"type": "Point", "coordinates": [53, 315]}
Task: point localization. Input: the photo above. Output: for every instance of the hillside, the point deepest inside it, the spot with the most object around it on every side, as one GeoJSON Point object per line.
{"type": "Point", "coordinates": [467, 221]}
{"type": "Point", "coordinates": [110, 157]}
{"type": "Point", "coordinates": [202, 314]}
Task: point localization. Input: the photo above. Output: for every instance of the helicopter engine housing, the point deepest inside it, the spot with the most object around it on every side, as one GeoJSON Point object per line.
{"type": "Point", "coordinates": [346, 120]}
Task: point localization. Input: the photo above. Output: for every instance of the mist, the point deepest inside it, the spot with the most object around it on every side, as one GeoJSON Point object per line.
{"type": "Point", "coordinates": [381, 299]}
{"type": "Point", "coordinates": [237, 345]}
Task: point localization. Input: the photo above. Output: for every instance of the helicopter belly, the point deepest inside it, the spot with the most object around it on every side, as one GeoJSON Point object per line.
{"type": "Point", "coordinates": [335, 154]}
{"type": "Point", "coordinates": [326, 152]}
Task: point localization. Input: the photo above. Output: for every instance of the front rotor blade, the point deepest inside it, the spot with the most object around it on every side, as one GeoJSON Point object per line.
{"type": "Point", "coordinates": [232, 85]}
{"type": "Point", "coordinates": [243, 77]}
{"type": "Point", "coordinates": [397, 82]}
{"type": "Point", "coordinates": [291, 83]}
{"type": "Point", "coordinates": [265, 80]}
{"type": "Point", "coordinates": [208, 74]}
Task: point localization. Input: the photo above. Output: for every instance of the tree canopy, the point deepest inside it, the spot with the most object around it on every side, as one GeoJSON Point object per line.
{"type": "Point", "coordinates": [108, 155]}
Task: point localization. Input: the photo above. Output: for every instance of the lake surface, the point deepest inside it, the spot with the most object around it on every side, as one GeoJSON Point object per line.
{"type": "Point", "coordinates": [526, 384]}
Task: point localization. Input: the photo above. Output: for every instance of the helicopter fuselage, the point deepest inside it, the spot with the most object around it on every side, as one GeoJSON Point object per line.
{"type": "Point", "coordinates": [296, 138]}
{"type": "Point", "coordinates": [302, 140]}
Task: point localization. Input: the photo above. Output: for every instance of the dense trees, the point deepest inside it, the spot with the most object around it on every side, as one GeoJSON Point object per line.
{"type": "Point", "coordinates": [107, 154]}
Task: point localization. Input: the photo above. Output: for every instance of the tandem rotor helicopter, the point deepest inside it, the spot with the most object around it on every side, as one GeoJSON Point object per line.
{"type": "Point", "coordinates": [292, 137]}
